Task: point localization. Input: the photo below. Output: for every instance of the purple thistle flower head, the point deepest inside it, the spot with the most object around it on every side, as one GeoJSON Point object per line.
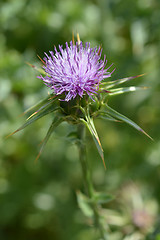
{"type": "Point", "coordinates": [75, 70]}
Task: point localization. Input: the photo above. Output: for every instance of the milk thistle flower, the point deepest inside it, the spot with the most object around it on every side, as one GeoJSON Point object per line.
{"type": "Point", "coordinates": [78, 79]}
{"type": "Point", "coordinates": [75, 70]}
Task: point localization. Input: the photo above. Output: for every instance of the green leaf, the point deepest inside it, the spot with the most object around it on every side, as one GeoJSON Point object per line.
{"type": "Point", "coordinates": [123, 118]}
{"type": "Point", "coordinates": [102, 198]}
{"type": "Point", "coordinates": [106, 116]}
{"type": "Point", "coordinates": [50, 108]}
{"type": "Point", "coordinates": [111, 84]}
{"type": "Point", "coordinates": [57, 120]}
{"type": "Point", "coordinates": [42, 103]}
{"type": "Point", "coordinates": [84, 204]}
{"type": "Point", "coordinates": [118, 91]}
{"type": "Point", "coordinates": [90, 125]}
{"type": "Point", "coordinates": [40, 70]}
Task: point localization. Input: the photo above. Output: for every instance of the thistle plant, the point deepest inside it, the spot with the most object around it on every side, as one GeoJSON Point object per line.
{"type": "Point", "coordinates": [80, 89]}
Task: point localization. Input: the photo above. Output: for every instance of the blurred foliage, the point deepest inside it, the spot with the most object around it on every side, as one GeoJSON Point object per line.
{"type": "Point", "coordinates": [38, 201]}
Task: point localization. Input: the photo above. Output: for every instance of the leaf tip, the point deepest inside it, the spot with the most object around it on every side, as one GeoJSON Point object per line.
{"type": "Point", "coordinates": [146, 134]}
{"type": "Point", "coordinates": [11, 134]}
{"type": "Point", "coordinates": [31, 65]}
{"type": "Point", "coordinates": [41, 59]}
{"type": "Point", "coordinates": [37, 157]}
{"type": "Point", "coordinates": [104, 163]}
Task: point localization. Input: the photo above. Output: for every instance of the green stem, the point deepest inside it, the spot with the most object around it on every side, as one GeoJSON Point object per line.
{"type": "Point", "coordinates": [83, 160]}
{"type": "Point", "coordinates": [88, 180]}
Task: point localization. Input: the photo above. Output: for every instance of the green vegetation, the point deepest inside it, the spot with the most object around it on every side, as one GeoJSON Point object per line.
{"type": "Point", "coordinates": [38, 200]}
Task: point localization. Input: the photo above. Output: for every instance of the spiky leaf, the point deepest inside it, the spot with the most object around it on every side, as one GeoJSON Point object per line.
{"type": "Point", "coordinates": [111, 84]}
{"type": "Point", "coordinates": [48, 109]}
{"type": "Point", "coordinates": [40, 70]}
{"type": "Point", "coordinates": [56, 121]}
{"type": "Point", "coordinates": [123, 118]}
{"type": "Point", "coordinates": [41, 104]}
{"type": "Point", "coordinates": [90, 125]}
{"type": "Point", "coordinates": [106, 116]}
{"type": "Point", "coordinates": [118, 91]}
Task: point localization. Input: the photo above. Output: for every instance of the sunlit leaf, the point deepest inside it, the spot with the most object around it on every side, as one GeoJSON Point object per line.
{"type": "Point", "coordinates": [111, 84]}
{"type": "Point", "coordinates": [123, 118]}
{"type": "Point", "coordinates": [51, 108]}
{"type": "Point", "coordinates": [118, 91]}
{"type": "Point", "coordinates": [51, 98]}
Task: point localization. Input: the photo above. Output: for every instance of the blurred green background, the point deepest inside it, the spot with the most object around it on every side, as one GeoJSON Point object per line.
{"type": "Point", "coordinates": [38, 201]}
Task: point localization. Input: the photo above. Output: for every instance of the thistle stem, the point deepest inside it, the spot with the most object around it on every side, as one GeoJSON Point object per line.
{"type": "Point", "coordinates": [88, 180]}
